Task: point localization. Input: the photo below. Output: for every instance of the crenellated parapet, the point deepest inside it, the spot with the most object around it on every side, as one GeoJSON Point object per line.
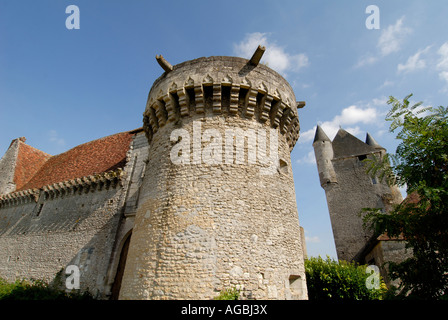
{"type": "Point", "coordinates": [20, 197]}
{"type": "Point", "coordinates": [226, 86]}
{"type": "Point", "coordinates": [81, 185]}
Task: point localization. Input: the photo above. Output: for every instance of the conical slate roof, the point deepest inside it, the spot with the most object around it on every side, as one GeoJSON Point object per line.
{"type": "Point", "coordinates": [320, 135]}
{"type": "Point", "coordinates": [371, 142]}
{"type": "Point", "coordinates": [346, 145]}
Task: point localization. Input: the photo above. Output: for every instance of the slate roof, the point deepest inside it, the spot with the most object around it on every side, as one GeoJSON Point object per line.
{"type": "Point", "coordinates": [347, 145]}
{"type": "Point", "coordinates": [320, 135]}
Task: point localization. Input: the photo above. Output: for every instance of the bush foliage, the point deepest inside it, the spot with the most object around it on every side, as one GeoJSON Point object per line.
{"type": "Point", "coordinates": [37, 290]}
{"type": "Point", "coordinates": [421, 164]}
{"type": "Point", "coordinates": [228, 294]}
{"type": "Point", "coordinates": [332, 280]}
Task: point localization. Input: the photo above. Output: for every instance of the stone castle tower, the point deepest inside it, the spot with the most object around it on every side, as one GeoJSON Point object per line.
{"type": "Point", "coordinates": [217, 206]}
{"type": "Point", "coordinates": [348, 189]}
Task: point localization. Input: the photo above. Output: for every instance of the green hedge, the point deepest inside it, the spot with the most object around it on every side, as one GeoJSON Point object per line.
{"type": "Point", "coordinates": [332, 280]}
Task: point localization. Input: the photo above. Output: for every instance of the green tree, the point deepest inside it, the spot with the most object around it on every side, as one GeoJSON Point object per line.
{"type": "Point", "coordinates": [341, 280]}
{"type": "Point", "coordinates": [420, 165]}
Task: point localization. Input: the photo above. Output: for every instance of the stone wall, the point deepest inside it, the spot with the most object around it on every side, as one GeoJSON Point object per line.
{"type": "Point", "coordinates": [137, 160]}
{"type": "Point", "coordinates": [7, 168]}
{"type": "Point", "coordinates": [353, 192]}
{"type": "Point", "coordinates": [42, 234]}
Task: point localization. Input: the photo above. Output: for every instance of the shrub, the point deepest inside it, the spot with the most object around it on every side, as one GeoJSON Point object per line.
{"type": "Point", "coordinates": [332, 280]}
{"type": "Point", "coordinates": [37, 290]}
{"type": "Point", "coordinates": [228, 294]}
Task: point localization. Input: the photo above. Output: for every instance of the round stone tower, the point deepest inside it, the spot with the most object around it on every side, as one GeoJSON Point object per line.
{"type": "Point", "coordinates": [217, 206]}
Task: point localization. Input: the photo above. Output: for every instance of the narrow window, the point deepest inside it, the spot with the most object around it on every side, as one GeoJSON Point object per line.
{"type": "Point", "coordinates": [362, 157]}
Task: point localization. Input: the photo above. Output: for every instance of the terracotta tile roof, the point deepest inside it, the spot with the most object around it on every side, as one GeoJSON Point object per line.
{"type": "Point", "coordinates": [29, 161]}
{"type": "Point", "coordinates": [101, 155]}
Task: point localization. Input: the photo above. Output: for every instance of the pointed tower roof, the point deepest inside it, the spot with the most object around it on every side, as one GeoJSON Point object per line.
{"type": "Point", "coordinates": [320, 135]}
{"type": "Point", "coordinates": [371, 142]}
{"type": "Point", "coordinates": [346, 145]}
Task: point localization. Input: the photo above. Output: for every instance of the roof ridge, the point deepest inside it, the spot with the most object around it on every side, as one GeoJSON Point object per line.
{"type": "Point", "coordinates": [95, 140]}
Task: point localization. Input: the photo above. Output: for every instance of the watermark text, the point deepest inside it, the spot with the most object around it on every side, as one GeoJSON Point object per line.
{"type": "Point", "coordinates": [210, 147]}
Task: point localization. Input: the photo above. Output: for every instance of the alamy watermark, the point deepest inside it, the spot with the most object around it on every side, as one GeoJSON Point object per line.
{"type": "Point", "coordinates": [72, 21]}
{"type": "Point", "coordinates": [72, 281]}
{"type": "Point", "coordinates": [373, 280]}
{"type": "Point", "coordinates": [190, 150]}
{"type": "Point", "coordinates": [373, 20]}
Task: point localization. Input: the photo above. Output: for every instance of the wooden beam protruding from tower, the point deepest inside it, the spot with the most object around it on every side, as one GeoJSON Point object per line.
{"type": "Point", "coordinates": [163, 63]}
{"type": "Point", "coordinates": [256, 57]}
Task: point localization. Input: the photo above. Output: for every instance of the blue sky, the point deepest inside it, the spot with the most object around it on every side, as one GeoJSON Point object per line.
{"type": "Point", "coordinates": [60, 88]}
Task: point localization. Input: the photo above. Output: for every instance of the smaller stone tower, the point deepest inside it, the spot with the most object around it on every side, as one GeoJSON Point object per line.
{"type": "Point", "coordinates": [349, 188]}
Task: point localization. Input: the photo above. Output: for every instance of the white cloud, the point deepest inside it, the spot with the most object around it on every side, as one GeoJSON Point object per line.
{"type": "Point", "coordinates": [444, 75]}
{"type": "Point", "coordinates": [307, 135]}
{"type": "Point", "coordinates": [392, 37]}
{"type": "Point", "coordinates": [390, 40]}
{"type": "Point", "coordinates": [348, 119]}
{"type": "Point", "coordinates": [387, 83]}
{"type": "Point", "coordinates": [443, 52]}
{"type": "Point", "coordinates": [54, 137]}
{"type": "Point", "coordinates": [442, 65]}
{"type": "Point", "coordinates": [366, 60]}
{"type": "Point", "coordinates": [314, 239]}
{"type": "Point", "coordinates": [309, 158]}
{"type": "Point", "coordinates": [275, 56]}
{"type": "Point", "coordinates": [353, 114]}
{"type": "Point", "coordinates": [414, 62]}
